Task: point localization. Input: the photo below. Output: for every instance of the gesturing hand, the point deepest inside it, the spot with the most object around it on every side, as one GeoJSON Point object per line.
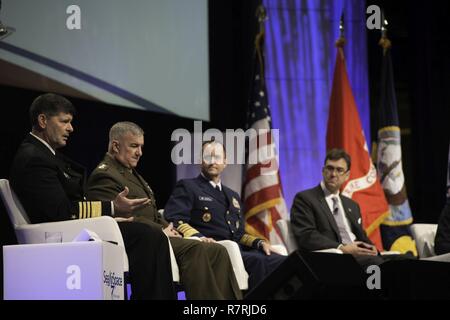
{"type": "Point", "coordinates": [124, 206]}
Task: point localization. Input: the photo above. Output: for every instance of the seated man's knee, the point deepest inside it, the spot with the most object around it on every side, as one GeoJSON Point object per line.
{"type": "Point", "coordinates": [214, 251]}
{"type": "Point", "coordinates": [148, 232]}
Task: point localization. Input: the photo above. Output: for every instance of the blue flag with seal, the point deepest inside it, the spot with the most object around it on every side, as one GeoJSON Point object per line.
{"type": "Point", "coordinates": [395, 231]}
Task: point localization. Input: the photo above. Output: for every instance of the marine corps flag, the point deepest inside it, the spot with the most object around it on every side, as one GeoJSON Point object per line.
{"type": "Point", "coordinates": [395, 228]}
{"type": "Point", "coordinates": [345, 131]}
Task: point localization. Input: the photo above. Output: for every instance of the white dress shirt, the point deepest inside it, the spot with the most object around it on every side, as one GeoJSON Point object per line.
{"type": "Point", "coordinates": [329, 199]}
{"type": "Point", "coordinates": [213, 183]}
{"type": "Point", "coordinates": [44, 142]}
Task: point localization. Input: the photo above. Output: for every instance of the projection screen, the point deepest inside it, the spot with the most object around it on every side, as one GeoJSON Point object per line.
{"type": "Point", "coordinates": [144, 54]}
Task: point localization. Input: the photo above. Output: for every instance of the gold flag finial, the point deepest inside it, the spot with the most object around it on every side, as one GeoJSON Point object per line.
{"type": "Point", "coordinates": [384, 42]}
{"type": "Point", "coordinates": [341, 41]}
{"type": "Point", "coordinates": [261, 13]}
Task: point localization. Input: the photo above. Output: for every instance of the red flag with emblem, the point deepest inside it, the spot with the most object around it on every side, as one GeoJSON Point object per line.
{"type": "Point", "coordinates": [345, 131]}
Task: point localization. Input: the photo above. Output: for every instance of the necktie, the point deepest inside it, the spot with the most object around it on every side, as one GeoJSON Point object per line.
{"type": "Point", "coordinates": [218, 188]}
{"type": "Point", "coordinates": [339, 218]}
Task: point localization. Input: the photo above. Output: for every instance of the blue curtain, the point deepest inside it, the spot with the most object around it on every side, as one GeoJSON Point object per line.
{"type": "Point", "coordinates": [300, 57]}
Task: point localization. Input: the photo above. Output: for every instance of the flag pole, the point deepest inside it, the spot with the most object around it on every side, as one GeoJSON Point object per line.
{"type": "Point", "coordinates": [261, 14]}
{"type": "Point", "coordinates": [384, 42]}
{"type": "Point", "coordinates": [340, 42]}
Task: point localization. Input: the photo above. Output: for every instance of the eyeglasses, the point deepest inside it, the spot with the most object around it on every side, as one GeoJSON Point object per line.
{"type": "Point", "coordinates": [330, 169]}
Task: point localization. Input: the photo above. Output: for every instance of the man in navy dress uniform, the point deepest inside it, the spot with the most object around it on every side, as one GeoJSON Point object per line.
{"type": "Point", "coordinates": [203, 207]}
{"type": "Point", "coordinates": [51, 187]}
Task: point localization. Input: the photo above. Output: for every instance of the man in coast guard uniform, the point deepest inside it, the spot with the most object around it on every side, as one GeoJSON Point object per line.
{"type": "Point", "coordinates": [205, 208]}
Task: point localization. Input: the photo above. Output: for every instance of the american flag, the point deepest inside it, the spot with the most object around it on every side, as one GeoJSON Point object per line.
{"type": "Point", "coordinates": [263, 198]}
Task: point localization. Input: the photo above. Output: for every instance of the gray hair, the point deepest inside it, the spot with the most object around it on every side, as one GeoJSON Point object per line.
{"type": "Point", "coordinates": [119, 129]}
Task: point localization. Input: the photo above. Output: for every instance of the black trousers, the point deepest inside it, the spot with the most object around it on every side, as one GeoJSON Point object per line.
{"type": "Point", "coordinates": [149, 261]}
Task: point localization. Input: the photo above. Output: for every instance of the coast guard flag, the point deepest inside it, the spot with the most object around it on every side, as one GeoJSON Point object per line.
{"type": "Point", "coordinates": [345, 131]}
{"type": "Point", "coordinates": [395, 228]}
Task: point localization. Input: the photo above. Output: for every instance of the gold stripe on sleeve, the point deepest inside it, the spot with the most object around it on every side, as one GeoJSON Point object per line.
{"type": "Point", "coordinates": [186, 230]}
{"type": "Point", "coordinates": [247, 240]}
{"type": "Point", "coordinates": [96, 207]}
{"type": "Point", "coordinates": [85, 210]}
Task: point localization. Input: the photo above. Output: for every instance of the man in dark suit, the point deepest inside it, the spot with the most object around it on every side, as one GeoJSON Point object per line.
{"type": "Point", "coordinates": [51, 188]}
{"type": "Point", "coordinates": [205, 268]}
{"type": "Point", "coordinates": [205, 208]}
{"type": "Point", "coordinates": [442, 238]}
{"type": "Point", "coordinates": [322, 218]}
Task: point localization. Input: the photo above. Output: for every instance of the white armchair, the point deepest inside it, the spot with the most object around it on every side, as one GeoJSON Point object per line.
{"type": "Point", "coordinates": [235, 258]}
{"type": "Point", "coordinates": [423, 234]}
{"type": "Point", "coordinates": [237, 263]}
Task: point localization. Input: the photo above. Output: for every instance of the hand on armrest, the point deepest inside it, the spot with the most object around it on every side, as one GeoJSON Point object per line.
{"type": "Point", "coordinates": [359, 248]}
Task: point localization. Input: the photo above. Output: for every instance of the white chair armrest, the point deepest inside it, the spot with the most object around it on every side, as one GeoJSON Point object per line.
{"type": "Point", "coordinates": [280, 249]}
{"type": "Point", "coordinates": [106, 227]}
{"type": "Point", "coordinates": [174, 264]}
{"type": "Point", "coordinates": [237, 263]}
{"type": "Point", "coordinates": [331, 250]}
{"type": "Point", "coordinates": [424, 234]}
{"type": "Point", "coordinates": [194, 238]}
{"type": "Point", "coordinates": [441, 258]}
{"type": "Point", "coordinates": [388, 253]}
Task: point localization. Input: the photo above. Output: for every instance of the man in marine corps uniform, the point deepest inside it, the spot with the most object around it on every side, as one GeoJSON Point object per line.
{"type": "Point", "coordinates": [204, 207]}
{"type": "Point", "coordinates": [205, 268]}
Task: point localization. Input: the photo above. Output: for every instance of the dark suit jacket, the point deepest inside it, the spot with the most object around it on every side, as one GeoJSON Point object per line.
{"type": "Point", "coordinates": [442, 238]}
{"type": "Point", "coordinates": [313, 223]}
{"type": "Point", "coordinates": [197, 209]}
{"type": "Point", "coordinates": [50, 187]}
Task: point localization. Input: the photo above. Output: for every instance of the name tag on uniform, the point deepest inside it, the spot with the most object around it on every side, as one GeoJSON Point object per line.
{"type": "Point", "coordinates": [201, 198]}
